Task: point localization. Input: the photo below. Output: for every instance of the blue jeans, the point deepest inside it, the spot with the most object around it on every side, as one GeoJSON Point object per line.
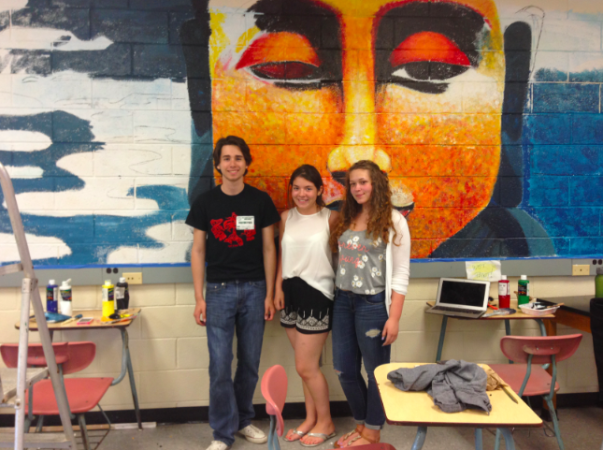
{"type": "Point", "coordinates": [358, 322]}
{"type": "Point", "coordinates": [233, 306]}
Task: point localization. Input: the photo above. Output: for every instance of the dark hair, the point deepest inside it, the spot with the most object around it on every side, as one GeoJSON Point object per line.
{"type": "Point", "coordinates": [311, 174]}
{"type": "Point", "coordinates": [231, 140]}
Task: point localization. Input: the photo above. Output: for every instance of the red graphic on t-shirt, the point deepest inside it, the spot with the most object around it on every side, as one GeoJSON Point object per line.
{"type": "Point", "coordinates": [220, 228]}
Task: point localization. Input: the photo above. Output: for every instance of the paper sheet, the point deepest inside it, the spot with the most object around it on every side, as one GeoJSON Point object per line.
{"type": "Point", "coordinates": [483, 270]}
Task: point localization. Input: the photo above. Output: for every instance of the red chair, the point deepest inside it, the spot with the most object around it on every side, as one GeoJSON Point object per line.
{"type": "Point", "coordinates": [528, 378]}
{"type": "Point", "coordinates": [83, 393]}
{"type": "Point", "coordinates": [274, 391]}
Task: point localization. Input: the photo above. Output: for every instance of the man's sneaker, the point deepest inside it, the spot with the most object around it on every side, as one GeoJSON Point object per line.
{"type": "Point", "coordinates": [217, 445]}
{"type": "Point", "coordinates": [252, 434]}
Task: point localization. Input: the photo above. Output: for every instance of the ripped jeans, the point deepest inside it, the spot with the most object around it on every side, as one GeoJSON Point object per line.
{"type": "Point", "coordinates": [358, 322]}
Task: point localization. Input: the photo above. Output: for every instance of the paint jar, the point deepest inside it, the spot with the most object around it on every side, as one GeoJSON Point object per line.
{"type": "Point", "coordinates": [65, 292]}
{"type": "Point", "coordinates": [52, 297]}
{"type": "Point", "coordinates": [504, 293]}
{"type": "Point", "coordinates": [523, 290]}
{"type": "Point", "coordinates": [122, 295]}
{"type": "Point", "coordinates": [599, 283]}
{"type": "Point", "coordinates": [108, 299]}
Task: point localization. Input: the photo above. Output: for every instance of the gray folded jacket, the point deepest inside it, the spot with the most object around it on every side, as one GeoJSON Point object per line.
{"type": "Point", "coordinates": [453, 385]}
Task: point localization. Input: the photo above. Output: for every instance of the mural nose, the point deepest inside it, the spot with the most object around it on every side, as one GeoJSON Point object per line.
{"type": "Point", "coordinates": [344, 156]}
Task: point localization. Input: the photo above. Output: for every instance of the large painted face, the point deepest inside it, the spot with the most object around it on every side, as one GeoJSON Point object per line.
{"type": "Point", "coordinates": [415, 86]}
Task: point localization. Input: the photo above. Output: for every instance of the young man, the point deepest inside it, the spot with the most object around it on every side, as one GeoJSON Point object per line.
{"type": "Point", "coordinates": [234, 233]}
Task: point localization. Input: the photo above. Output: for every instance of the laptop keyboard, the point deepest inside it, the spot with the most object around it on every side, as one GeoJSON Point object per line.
{"type": "Point", "coordinates": [457, 310]}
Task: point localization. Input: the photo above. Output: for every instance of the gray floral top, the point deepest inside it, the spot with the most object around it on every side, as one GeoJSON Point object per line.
{"type": "Point", "coordinates": [361, 263]}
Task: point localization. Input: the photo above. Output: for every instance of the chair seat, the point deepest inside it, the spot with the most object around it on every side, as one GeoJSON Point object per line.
{"type": "Point", "coordinates": [83, 394]}
{"type": "Point", "coordinates": [514, 374]}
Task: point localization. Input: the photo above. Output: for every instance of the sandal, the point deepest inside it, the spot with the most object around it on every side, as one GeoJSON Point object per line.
{"type": "Point", "coordinates": [341, 441]}
{"type": "Point", "coordinates": [362, 436]}
{"type": "Point", "coordinates": [301, 434]}
{"type": "Point", "coordinates": [325, 437]}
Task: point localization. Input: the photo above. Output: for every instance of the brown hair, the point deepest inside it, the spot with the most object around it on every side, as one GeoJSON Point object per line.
{"type": "Point", "coordinates": [380, 203]}
{"type": "Point", "coordinates": [231, 140]}
{"type": "Point", "coordinates": [311, 174]}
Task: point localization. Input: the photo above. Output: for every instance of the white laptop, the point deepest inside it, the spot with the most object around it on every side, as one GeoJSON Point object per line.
{"type": "Point", "coordinates": [461, 298]}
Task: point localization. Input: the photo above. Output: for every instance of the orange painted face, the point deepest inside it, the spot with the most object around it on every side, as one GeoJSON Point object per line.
{"type": "Point", "coordinates": [415, 86]}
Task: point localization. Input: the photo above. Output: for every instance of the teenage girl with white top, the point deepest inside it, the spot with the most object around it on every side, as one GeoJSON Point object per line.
{"type": "Point", "coordinates": [371, 281]}
{"type": "Point", "coordinates": [304, 295]}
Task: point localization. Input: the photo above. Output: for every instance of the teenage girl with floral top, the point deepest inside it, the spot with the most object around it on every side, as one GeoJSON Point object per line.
{"type": "Point", "coordinates": [373, 241]}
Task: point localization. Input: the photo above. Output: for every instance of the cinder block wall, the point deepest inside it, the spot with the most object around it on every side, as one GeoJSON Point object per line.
{"type": "Point", "coordinates": [170, 355]}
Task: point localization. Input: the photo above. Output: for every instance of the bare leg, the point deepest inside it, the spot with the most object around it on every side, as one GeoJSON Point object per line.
{"type": "Point", "coordinates": [308, 348]}
{"type": "Point", "coordinates": [310, 421]}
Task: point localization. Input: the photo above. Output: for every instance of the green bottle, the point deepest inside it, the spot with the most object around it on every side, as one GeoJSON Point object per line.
{"type": "Point", "coordinates": [523, 290]}
{"type": "Point", "coordinates": [599, 283]}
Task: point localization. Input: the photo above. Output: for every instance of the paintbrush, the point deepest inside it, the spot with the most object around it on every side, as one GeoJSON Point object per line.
{"type": "Point", "coordinates": [504, 388]}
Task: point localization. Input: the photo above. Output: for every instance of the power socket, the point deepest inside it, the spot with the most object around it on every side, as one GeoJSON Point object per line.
{"type": "Point", "coordinates": [135, 277]}
{"type": "Point", "coordinates": [580, 270]}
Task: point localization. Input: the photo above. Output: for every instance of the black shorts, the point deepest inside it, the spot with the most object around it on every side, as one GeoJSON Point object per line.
{"type": "Point", "coordinates": [306, 308]}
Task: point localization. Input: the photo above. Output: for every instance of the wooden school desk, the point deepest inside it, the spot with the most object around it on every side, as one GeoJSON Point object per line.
{"type": "Point", "coordinates": [96, 324]}
{"type": "Point", "coordinates": [417, 409]}
{"type": "Point", "coordinates": [518, 315]}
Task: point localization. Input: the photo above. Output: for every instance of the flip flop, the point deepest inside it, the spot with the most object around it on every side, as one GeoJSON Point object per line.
{"type": "Point", "coordinates": [301, 434]}
{"type": "Point", "coordinates": [325, 437]}
{"type": "Point", "coordinates": [345, 437]}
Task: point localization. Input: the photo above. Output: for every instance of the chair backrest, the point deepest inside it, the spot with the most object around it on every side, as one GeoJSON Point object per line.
{"type": "Point", "coordinates": [274, 390]}
{"type": "Point", "coordinates": [73, 356]}
{"type": "Point", "coordinates": [377, 446]}
{"type": "Point", "coordinates": [518, 348]}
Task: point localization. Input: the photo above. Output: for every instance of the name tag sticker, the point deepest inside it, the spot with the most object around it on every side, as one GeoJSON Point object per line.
{"type": "Point", "coordinates": [245, 223]}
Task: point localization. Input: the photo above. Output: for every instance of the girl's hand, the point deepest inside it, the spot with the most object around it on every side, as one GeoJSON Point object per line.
{"type": "Point", "coordinates": [279, 300]}
{"type": "Point", "coordinates": [390, 331]}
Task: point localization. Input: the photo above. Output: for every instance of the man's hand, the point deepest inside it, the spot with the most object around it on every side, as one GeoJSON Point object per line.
{"type": "Point", "coordinates": [268, 309]}
{"type": "Point", "coordinates": [200, 312]}
{"type": "Point", "coordinates": [279, 300]}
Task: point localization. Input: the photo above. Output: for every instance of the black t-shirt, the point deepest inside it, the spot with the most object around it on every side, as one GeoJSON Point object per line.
{"type": "Point", "coordinates": [233, 224]}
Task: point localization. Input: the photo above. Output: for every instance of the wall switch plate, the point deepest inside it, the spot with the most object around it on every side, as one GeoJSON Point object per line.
{"type": "Point", "coordinates": [580, 270]}
{"type": "Point", "coordinates": [135, 277]}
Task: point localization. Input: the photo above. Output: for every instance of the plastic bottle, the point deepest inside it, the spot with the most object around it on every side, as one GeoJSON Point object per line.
{"type": "Point", "coordinates": [52, 297]}
{"type": "Point", "coordinates": [504, 294]}
{"type": "Point", "coordinates": [122, 296]}
{"type": "Point", "coordinates": [599, 283]}
{"type": "Point", "coordinates": [65, 291]}
{"type": "Point", "coordinates": [523, 290]}
{"type": "Point", "coordinates": [108, 299]}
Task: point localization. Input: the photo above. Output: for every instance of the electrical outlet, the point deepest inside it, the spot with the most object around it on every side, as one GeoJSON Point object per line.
{"type": "Point", "coordinates": [136, 277]}
{"type": "Point", "coordinates": [580, 269]}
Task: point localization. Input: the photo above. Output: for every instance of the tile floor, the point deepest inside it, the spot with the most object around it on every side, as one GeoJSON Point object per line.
{"type": "Point", "coordinates": [581, 429]}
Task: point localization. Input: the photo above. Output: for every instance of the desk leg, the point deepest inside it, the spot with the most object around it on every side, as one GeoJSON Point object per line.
{"type": "Point", "coordinates": [419, 438]}
{"type": "Point", "coordinates": [509, 442]}
{"type": "Point", "coordinates": [479, 442]}
{"type": "Point", "coordinates": [126, 364]}
{"type": "Point", "coordinates": [442, 336]}
{"type": "Point", "coordinates": [508, 331]}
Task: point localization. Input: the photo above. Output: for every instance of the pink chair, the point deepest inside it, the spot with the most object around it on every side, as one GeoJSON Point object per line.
{"type": "Point", "coordinates": [528, 378]}
{"type": "Point", "coordinates": [83, 393]}
{"type": "Point", "coordinates": [274, 391]}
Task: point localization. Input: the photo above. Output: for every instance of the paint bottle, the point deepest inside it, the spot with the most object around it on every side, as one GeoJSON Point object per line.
{"type": "Point", "coordinates": [65, 292]}
{"type": "Point", "coordinates": [122, 296]}
{"type": "Point", "coordinates": [523, 290]}
{"type": "Point", "coordinates": [599, 283]}
{"type": "Point", "coordinates": [504, 294]}
{"type": "Point", "coordinates": [108, 299]}
{"type": "Point", "coordinates": [52, 297]}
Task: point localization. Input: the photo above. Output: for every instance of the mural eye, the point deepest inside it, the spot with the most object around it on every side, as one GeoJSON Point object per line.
{"type": "Point", "coordinates": [426, 60]}
{"type": "Point", "coordinates": [288, 71]}
{"type": "Point", "coordinates": [282, 57]}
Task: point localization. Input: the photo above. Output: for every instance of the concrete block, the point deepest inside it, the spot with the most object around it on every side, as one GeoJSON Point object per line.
{"type": "Point", "coordinates": [10, 299]}
{"type": "Point", "coordinates": [185, 294]}
{"type": "Point", "coordinates": [57, 91]}
{"type": "Point", "coordinates": [152, 295]}
{"type": "Point", "coordinates": [172, 127]}
{"type": "Point", "coordinates": [570, 97]}
{"type": "Point", "coordinates": [131, 94]}
{"type": "Point", "coordinates": [174, 386]}
{"type": "Point", "coordinates": [170, 322]}
{"type": "Point", "coordinates": [86, 297]}
{"type": "Point", "coordinates": [153, 354]}
{"type": "Point", "coordinates": [130, 26]}
{"type": "Point", "coordinates": [192, 353]}
{"type": "Point", "coordinates": [162, 61]}
{"type": "Point", "coordinates": [107, 193]}
{"type": "Point", "coordinates": [114, 61]}
{"type": "Point", "coordinates": [173, 252]}
{"type": "Point", "coordinates": [133, 160]}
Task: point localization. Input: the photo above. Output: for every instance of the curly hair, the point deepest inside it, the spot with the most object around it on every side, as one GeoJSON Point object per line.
{"type": "Point", "coordinates": [380, 202]}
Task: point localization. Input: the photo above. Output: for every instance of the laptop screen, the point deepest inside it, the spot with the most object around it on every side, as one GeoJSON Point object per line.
{"type": "Point", "coordinates": [462, 293]}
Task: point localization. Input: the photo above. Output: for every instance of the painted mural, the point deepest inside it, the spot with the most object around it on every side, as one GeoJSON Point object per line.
{"type": "Point", "coordinates": [485, 114]}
